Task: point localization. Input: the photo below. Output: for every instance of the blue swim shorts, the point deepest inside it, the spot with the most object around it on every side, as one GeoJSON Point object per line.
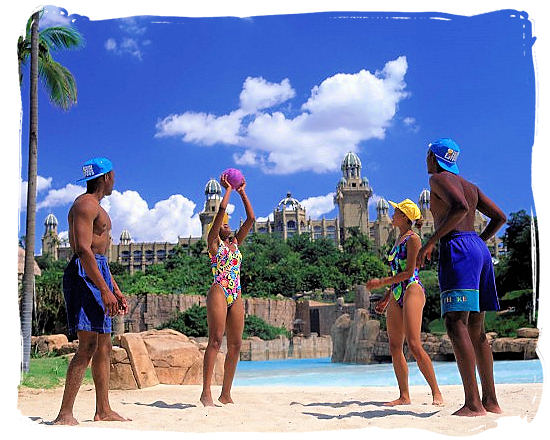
{"type": "Point", "coordinates": [85, 309]}
{"type": "Point", "coordinates": [466, 275]}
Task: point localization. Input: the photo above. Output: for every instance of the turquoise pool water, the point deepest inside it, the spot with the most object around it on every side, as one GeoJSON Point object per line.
{"type": "Point", "coordinates": [322, 372]}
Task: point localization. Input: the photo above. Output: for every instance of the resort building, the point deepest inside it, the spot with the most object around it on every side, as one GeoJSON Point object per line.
{"type": "Point", "coordinates": [353, 192]}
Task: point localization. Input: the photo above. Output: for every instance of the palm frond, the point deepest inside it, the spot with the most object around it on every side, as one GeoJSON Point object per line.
{"type": "Point", "coordinates": [59, 82]}
{"type": "Point", "coordinates": [61, 37]}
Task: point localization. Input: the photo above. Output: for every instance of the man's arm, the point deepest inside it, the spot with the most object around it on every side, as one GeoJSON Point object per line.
{"type": "Point", "coordinates": [486, 206]}
{"type": "Point", "coordinates": [84, 214]}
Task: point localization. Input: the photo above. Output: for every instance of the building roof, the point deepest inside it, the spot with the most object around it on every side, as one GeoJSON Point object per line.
{"type": "Point", "coordinates": [50, 220]}
{"type": "Point", "coordinates": [351, 160]}
{"type": "Point", "coordinates": [289, 203]}
{"type": "Point", "coordinates": [213, 187]}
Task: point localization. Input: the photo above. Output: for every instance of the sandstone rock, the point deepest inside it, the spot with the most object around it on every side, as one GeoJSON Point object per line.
{"type": "Point", "coordinates": [122, 375]}
{"type": "Point", "coordinates": [71, 347]}
{"type": "Point", "coordinates": [528, 332]}
{"type": "Point", "coordinates": [361, 329]}
{"type": "Point", "coordinates": [339, 333]}
{"type": "Point", "coordinates": [48, 343]}
{"type": "Point", "coordinates": [143, 368]}
{"type": "Point", "coordinates": [491, 335]}
{"type": "Point", "coordinates": [530, 349]}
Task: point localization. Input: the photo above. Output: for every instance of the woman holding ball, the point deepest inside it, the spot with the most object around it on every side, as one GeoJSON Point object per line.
{"type": "Point", "coordinates": [224, 304]}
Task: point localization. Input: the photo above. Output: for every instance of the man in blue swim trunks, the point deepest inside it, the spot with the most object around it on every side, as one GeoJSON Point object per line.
{"type": "Point", "coordinates": [466, 277]}
{"type": "Point", "coordinates": [91, 294]}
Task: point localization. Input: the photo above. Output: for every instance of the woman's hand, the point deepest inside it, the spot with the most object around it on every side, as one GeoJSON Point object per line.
{"type": "Point", "coordinates": [241, 188]}
{"type": "Point", "coordinates": [225, 183]}
{"type": "Point", "coordinates": [375, 283]}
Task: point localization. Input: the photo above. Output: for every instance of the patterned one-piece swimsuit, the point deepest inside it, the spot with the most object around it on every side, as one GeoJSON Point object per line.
{"type": "Point", "coordinates": [397, 259]}
{"type": "Point", "coordinates": [226, 268]}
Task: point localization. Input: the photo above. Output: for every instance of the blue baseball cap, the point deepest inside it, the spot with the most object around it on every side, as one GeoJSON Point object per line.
{"type": "Point", "coordinates": [446, 152]}
{"type": "Point", "coordinates": [95, 167]}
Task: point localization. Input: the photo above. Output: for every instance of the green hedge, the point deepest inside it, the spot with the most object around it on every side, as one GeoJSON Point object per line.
{"type": "Point", "coordinates": [193, 322]}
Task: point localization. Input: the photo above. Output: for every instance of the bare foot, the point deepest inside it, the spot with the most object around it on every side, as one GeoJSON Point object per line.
{"type": "Point", "coordinates": [225, 399]}
{"type": "Point", "coordinates": [492, 407]}
{"type": "Point", "coordinates": [63, 419]}
{"type": "Point", "coordinates": [400, 401]}
{"type": "Point", "coordinates": [206, 399]}
{"type": "Point", "coordinates": [110, 416]}
{"type": "Point", "coordinates": [438, 400]}
{"type": "Point", "coordinates": [467, 412]}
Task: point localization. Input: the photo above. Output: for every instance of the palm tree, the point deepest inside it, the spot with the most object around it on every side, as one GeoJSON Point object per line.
{"type": "Point", "coordinates": [61, 88]}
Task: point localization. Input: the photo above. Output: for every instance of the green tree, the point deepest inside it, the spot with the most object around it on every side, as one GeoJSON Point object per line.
{"type": "Point", "coordinates": [61, 86]}
{"type": "Point", "coordinates": [515, 269]}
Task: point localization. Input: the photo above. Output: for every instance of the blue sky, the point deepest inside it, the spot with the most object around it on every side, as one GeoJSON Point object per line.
{"type": "Point", "coordinates": [174, 101]}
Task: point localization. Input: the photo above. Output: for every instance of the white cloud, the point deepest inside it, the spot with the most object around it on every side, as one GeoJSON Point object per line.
{"type": "Point", "coordinates": [318, 205]}
{"type": "Point", "coordinates": [61, 197]}
{"type": "Point", "coordinates": [258, 94]}
{"type": "Point", "coordinates": [42, 184]}
{"type": "Point", "coordinates": [230, 208]}
{"type": "Point", "coordinates": [63, 238]}
{"type": "Point", "coordinates": [202, 128]}
{"type": "Point", "coordinates": [165, 221]}
{"type": "Point", "coordinates": [341, 112]}
{"type": "Point", "coordinates": [54, 16]}
{"type": "Point", "coordinates": [373, 200]}
{"type": "Point", "coordinates": [110, 44]}
{"type": "Point", "coordinates": [130, 43]}
{"type": "Point", "coordinates": [130, 25]}
{"type": "Point", "coordinates": [411, 124]}
{"type": "Point", "coordinates": [264, 219]}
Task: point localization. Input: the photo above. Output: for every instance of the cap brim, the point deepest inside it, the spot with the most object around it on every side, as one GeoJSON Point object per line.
{"type": "Point", "coordinates": [85, 179]}
{"type": "Point", "coordinates": [451, 168]}
{"type": "Point", "coordinates": [393, 204]}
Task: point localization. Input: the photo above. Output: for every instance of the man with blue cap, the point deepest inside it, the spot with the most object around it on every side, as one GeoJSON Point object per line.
{"type": "Point", "coordinates": [466, 275]}
{"type": "Point", "coordinates": [91, 294]}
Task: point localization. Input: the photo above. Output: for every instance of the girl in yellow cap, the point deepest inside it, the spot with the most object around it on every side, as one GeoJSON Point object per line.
{"type": "Point", "coordinates": [224, 305]}
{"type": "Point", "coordinates": [405, 301]}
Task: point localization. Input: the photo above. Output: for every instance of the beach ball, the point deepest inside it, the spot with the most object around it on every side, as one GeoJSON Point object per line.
{"type": "Point", "coordinates": [234, 177]}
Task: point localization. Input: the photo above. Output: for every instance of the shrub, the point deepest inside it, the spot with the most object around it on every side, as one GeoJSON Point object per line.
{"type": "Point", "coordinates": [255, 326]}
{"type": "Point", "coordinates": [192, 322]}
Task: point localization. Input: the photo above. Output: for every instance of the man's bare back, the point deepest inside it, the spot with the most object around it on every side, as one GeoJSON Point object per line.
{"type": "Point", "coordinates": [101, 224]}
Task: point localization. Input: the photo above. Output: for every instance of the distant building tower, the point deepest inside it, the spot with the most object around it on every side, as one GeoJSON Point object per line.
{"type": "Point", "coordinates": [289, 217]}
{"type": "Point", "coordinates": [382, 227]}
{"type": "Point", "coordinates": [352, 196]}
{"type": "Point", "coordinates": [50, 239]}
{"type": "Point", "coordinates": [424, 205]}
{"type": "Point", "coordinates": [125, 237]}
{"type": "Point", "coordinates": [213, 193]}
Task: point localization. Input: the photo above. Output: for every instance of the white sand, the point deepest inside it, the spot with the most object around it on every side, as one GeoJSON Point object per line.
{"type": "Point", "coordinates": [177, 408]}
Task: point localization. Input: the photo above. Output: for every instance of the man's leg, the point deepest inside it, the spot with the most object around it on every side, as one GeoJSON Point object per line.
{"type": "Point", "coordinates": [484, 360]}
{"type": "Point", "coordinates": [457, 329]}
{"type": "Point", "coordinates": [87, 346]}
{"type": "Point", "coordinates": [101, 370]}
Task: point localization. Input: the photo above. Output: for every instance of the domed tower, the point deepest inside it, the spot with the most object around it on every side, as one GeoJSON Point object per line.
{"type": "Point", "coordinates": [125, 237]}
{"type": "Point", "coordinates": [382, 228]}
{"type": "Point", "coordinates": [424, 205]}
{"type": "Point", "coordinates": [352, 196]}
{"type": "Point", "coordinates": [289, 217]}
{"type": "Point", "coordinates": [382, 208]}
{"type": "Point", "coordinates": [213, 195]}
{"type": "Point", "coordinates": [50, 239]}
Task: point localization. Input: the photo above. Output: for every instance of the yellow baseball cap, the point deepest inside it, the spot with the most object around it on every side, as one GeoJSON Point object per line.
{"type": "Point", "coordinates": [224, 221]}
{"type": "Point", "coordinates": [409, 208]}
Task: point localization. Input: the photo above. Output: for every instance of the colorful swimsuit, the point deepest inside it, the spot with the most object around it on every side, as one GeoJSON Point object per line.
{"type": "Point", "coordinates": [398, 263]}
{"type": "Point", "coordinates": [226, 267]}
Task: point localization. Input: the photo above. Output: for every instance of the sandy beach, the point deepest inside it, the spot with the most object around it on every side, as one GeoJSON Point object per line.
{"type": "Point", "coordinates": [283, 409]}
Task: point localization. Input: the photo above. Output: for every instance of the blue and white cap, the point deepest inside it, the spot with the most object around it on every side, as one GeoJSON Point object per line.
{"type": "Point", "coordinates": [95, 167]}
{"type": "Point", "coordinates": [446, 152]}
